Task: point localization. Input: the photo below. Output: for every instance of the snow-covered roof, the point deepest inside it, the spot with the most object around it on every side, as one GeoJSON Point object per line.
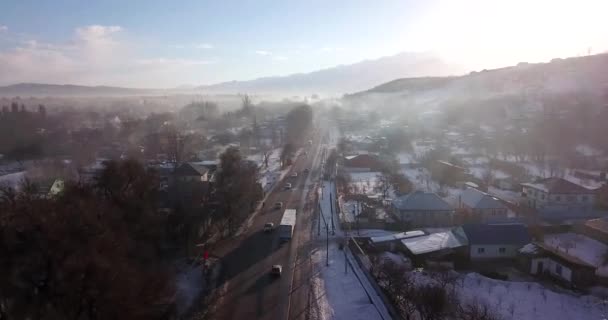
{"type": "Point", "coordinates": [434, 242]}
{"type": "Point", "coordinates": [398, 236]}
{"type": "Point", "coordinates": [600, 224]}
{"type": "Point", "coordinates": [530, 248]}
{"type": "Point", "coordinates": [580, 247]}
{"type": "Point", "coordinates": [558, 185]}
{"type": "Point", "coordinates": [421, 201]}
{"type": "Point", "coordinates": [476, 199]}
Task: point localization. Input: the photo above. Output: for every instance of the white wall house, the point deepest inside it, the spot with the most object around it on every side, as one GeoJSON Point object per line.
{"type": "Point", "coordinates": [495, 241]}
{"type": "Point", "coordinates": [557, 194]}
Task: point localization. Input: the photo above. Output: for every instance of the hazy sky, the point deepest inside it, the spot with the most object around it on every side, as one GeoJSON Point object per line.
{"type": "Point", "coordinates": [162, 44]}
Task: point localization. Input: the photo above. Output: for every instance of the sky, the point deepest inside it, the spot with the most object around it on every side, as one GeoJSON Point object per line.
{"type": "Point", "coordinates": [161, 44]}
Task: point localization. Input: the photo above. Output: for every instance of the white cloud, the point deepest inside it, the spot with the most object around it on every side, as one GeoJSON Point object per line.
{"type": "Point", "coordinates": [280, 58]}
{"type": "Point", "coordinates": [168, 62]}
{"type": "Point", "coordinates": [263, 53]}
{"type": "Point", "coordinates": [193, 46]}
{"type": "Point", "coordinates": [330, 49]}
{"type": "Point", "coordinates": [204, 46]}
{"type": "Point", "coordinates": [94, 55]}
{"type": "Point", "coordinates": [3, 28]}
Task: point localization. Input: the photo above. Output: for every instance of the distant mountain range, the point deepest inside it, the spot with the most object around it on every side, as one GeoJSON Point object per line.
{"type": "Point", "coordinates": [344, 78]}
{"type": "Point", "coordinates": [333, 81]}
{"type": "Point", "coordinates": [41, 89]}
{"type": "Point", "coordinates": [582, 75]}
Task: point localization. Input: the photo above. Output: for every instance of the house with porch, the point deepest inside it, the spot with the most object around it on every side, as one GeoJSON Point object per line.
{"type": "Point", "coordinates": [571, 258]}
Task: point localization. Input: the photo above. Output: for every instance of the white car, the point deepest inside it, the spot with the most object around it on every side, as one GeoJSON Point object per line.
{"type": "Point", "coordinates": [288, 186]}
{"type": "Point", "coordinates": [268, 227]}
{"type": "Point", "coordinates": [294, 175]}
{"type": "Point", "coordinates": [276, 270]}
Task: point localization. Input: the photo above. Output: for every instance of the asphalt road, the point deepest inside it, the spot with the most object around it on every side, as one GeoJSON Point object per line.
{"type": "Point", "coordinates": [247, 290]}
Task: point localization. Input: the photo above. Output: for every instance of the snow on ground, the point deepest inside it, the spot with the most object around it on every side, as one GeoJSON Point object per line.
{"type": "Point", "coordinates": [341, 295]}
{"type": "Point", "coordinates": [405, 158]}
{"type": "Point", "coordinates": [269, 176]}
{"type": "Point", "coordinates": [12, 180]}
{"type": "Point", "coordinates": [421, 179]}
{"type": "Point", "coordinates": [188, 287]}
{"type": "Point", "coordinates": [365, 182]}
{"type": "Point", "coordinates": [350, 209]}
{"type": "Point", "coordinates": [584, 248]}
{"type": "Point", "coordinates": [529, 300]}
{"type": "Point", "coordinates": [475, 161]}
{"type": "Point", "coordinates": [479, 172]}
{"type": "Point", "coordinates": [588, 151]}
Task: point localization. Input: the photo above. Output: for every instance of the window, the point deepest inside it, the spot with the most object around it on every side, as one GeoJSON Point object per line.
{"type": "Point", "coordinates": [542, 196]}
{"type": "Point", "coordinates": [558, 269]}
{"type": "Point", "coordinates": [481, 250]}
{"type": "Point", "coordinates": [558, 198]}
{"type": "Point", "coordinates": [571, 198]}
{"type": "Point", "coordinates": [584, 198]}
{"type": "Point", "coordinates": [502, 250]}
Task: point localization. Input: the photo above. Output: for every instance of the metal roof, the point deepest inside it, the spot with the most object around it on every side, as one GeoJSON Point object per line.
{"type": "Point", "coordinates": [398, 236]}
{"type": "Point", "coordinates": [480, 200]}
{"type": "Point", "coordinates": [488, 234]}
{"type": "Point", "coordinates": [434, 242]}
{"type": "Point", "coordinates": [421, 201]}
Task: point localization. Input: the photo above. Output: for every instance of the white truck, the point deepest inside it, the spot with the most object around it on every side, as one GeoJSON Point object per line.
{"type": "Point", "coordinates": [288, 223]}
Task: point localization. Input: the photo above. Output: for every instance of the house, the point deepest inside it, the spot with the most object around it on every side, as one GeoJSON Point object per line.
{"type": "Point", "coordinates": [482, 207]}
{"type": "Point", "coordinates": [423, 209]}
{"type": "Point", "coordinates": [601, 196]}
{"type": "Point", "coordinates": [596, 229]}
{"type": "Point", "coordinates": [190, 172]}
{"type": "Point", "coordinates": [447, 173]}
{"type": "Point", "coordinates": [571, 258]}
{"type": "Point", "coordinates": [557, 194]}
{"type": "Point", "coordinates": [362, 162]}
{"type": "Point", "coordinates": [495, 241]}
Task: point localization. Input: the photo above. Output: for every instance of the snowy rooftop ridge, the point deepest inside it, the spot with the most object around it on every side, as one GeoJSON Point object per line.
{"type": "Point", "coordinates": [398, 236]}
{"type": "Point", "coordinates": [433, 242]}
{"type": "Point", "coordinates": [580, 247]}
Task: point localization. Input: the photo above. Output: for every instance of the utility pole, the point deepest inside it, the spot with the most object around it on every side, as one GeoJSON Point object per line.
{"type": "Point", "coordinates": [344, 249]}
{"type": "Point", "coordinates": [319, 233]}
{"type": "Point", "coordinates": [331, 203]}
{"type": "Point", "coordinates": [327, 242]}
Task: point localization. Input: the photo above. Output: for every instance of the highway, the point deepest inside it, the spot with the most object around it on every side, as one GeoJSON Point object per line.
{"type": "Point", "coordinates": [247, 290]}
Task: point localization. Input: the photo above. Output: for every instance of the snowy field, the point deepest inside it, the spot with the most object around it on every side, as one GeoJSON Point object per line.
{"type": "Point", "coordinates": [364, 182]}
{"type": "Point", "coordinates": [529, 300]}
{"type": "Point", "coordinates": [12, 180]}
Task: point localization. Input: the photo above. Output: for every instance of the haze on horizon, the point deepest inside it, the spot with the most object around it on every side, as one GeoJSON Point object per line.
{"type": "Point", "coordinates": [156, 45]}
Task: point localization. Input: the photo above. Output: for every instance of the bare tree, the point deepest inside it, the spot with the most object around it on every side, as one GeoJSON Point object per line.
{"type": "Point", "coordinates": [475, 311]}
{"type": "Point", "coordinates": [383, 184]}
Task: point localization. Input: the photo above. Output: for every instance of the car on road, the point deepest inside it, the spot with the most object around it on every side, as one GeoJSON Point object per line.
{"type": "Point", "coordinates": [268, 227]}
{"type": "Point", "coordinates": [276, 270]}
{"type": "Point", "coordinates": [294, 175]}
{"type": "Point", "coordinates": [288, 186]}
{"type": "Point", "coordinates": [306, 171]}
{"type": "Point", "coordinates": [278, 205]}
